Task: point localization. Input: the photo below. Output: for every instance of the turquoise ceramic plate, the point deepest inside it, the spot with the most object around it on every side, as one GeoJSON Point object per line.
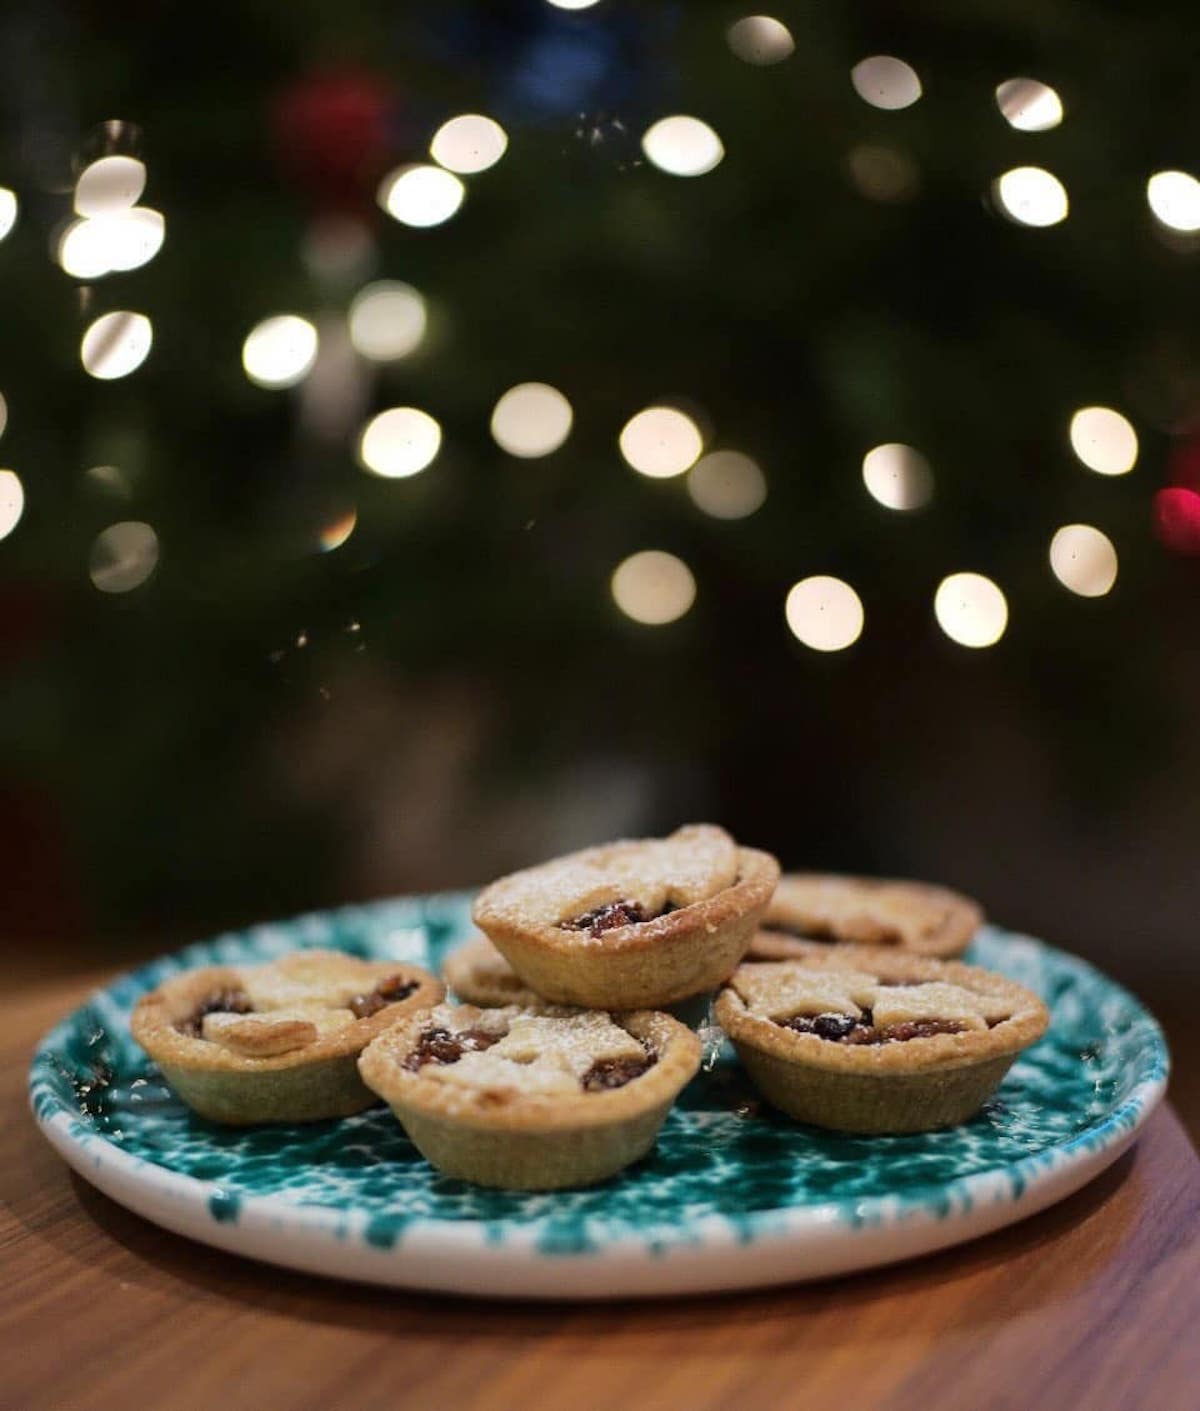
{"type": "Point", "coordinates": [733, 1196]}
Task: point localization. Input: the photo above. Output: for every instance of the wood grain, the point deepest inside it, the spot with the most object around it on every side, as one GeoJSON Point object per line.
{"type": "Point", "coordinates": [1091, 1304]}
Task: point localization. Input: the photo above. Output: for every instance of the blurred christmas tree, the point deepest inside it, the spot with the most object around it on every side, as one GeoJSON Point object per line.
{"type": "Point", "coordinates": [906, 227]}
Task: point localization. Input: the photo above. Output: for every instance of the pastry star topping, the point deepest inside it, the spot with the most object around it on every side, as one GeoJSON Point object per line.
{"type": "Point", "coordinates": [903, 1004]}
{"type": "Point", "coordinates": [260, 1035]}
{"type": "Point", "coordinates": [545, 1054]}
{"type": "Point", "coordinates": [780, 991]}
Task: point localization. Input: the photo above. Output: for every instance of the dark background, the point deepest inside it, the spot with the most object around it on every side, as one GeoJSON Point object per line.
{"type": "Point", "coordinates": [261, 727]}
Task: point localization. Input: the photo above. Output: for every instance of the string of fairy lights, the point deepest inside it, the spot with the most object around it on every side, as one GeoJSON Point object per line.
{"type": "Point", "coordinates": [110, 232]}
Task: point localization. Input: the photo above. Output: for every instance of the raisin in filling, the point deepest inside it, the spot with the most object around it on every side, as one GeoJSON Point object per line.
{"type": "Point", "coordinates": [616, 1072]}
{"type": "Point", "coordinates": [441, 1046]}
{"type": "Point", "coordinates": [388, 991]}
{"type": "Point", "coordinates": [842, 1029]}
{"type": "Point", "coordinates": [607, 918]}
{"type": "Point", "coordinates": [231, 1001]}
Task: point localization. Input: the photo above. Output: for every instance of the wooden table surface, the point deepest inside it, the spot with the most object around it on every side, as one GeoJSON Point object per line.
{"type": "Point", "coordinates": [1093, 1304]}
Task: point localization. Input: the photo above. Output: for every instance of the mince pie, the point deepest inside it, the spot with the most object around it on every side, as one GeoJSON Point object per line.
{"type": "Point", "coordinates": [278, 1042]}
{"type": "Point", "coordinates": [913, 916]}
{"type": "Point", "coordinates": [531, 1100]}
{"type": "Point", "coordinates": [631, 925]}
{"type": "Point", "coordinates": [477, 973]}
{"type": "Point", "coordinates": [868, 1039]}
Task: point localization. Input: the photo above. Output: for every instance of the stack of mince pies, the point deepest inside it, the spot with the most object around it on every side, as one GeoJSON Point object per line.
{"type": "Point", "coordinates": [559, 1061]}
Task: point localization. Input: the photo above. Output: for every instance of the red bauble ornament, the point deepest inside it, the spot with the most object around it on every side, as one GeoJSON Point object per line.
{"type": "Point", "coordinates": [334, 131]}
{"type": "Point", "coordinates": [1177, 519]}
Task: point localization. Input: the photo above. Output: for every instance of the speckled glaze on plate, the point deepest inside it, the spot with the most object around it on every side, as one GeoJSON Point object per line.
{"type": "Point", "coordinates": [734, 1196]}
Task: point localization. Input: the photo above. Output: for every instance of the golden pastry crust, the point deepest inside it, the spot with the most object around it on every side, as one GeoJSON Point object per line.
{"type": "Point", "coordinates": [477, 973]}
{"type": "Point", "coordinates": [291, 1056]}
{"type": "Point", "coordinates": [716, 892]}
{"type": "Point", "coordinates": [912, 1084]}
{"type": "Point", "coordinates": [493, 1131]}
{"type": "Point", "coordinates": [913, 916]}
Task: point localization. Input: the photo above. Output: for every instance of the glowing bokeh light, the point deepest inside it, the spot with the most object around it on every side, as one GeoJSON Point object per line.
{"type": "Point", "coordinates": [886, 82]}
{"type": "Point", "coordinates": [109, 478]}
{"type": "Point", "coordinates": [1084, 560]}
{"type": "Point", "coordinates": [8, 210]}
{"type": "Point", "coordinates": [682, 146]}
{"type": "Point", "coordinates": [761, 40]}
{"type": "Point", "coordinates": [399, 442]}
{"type": "Point", "coordinates": [1174, 197]}
{"type": "Point", "coordinates": [882, 173]}
{"type": "Point", "coordinates": [970, 609]}
{"type": "Point", "coordinates": [116, 344]}
{"type": "Point", "coordinates": [123, 556]}
{"type": "Point", "coordinates": [12, 501]}
{"type": "Point", "coordinates": [727, 485]}
{"type": "Point", "coordinates": [421, 195]}
{"type": "Point", "coordinates": [100, 245]}
{"type": "Point", "coordinates": [572, 4]}
{"type": "Point", "coordinates": [337, 531]}
{"type": "Point", "coordinates": [661, 442]}
{"type": "Point", "coordinates": [898, 476]}
{"type": "Point", "coordinates": [531, 419]}
{"type": "Point", "coordinates": [1028, 105]}
{"type": "Point", "coordinates": [108, 185]}
{"type": "Point", "coordinates": [387, 320]}
{"type": "Point", "coordinates": [824, 613]}
{"type": "Point", "coordinates": [1032, 196]}
{"type": "Point", "coordinates": [279, 351]}
{"type": "Point", "coordinates": [468, 144]}
{"type": "Point", "coordinates": [653, 587]}
{"type": "Point", "coordinates": [1104, 440]}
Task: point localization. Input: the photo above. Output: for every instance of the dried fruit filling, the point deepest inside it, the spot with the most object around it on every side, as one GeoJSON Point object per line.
{"type": "Point", "coordinates": [442, 1046]}
{"type": "Point", "coordinates": [843, 1029]}
{"type": "Point", "coordinates": [388, 991]}
{"type": "Point", "coordinates": [607, 918]}
{"type": "Point", "coordinates": [230, 1001]}
{"type": "Point", "coordinates": [608, 1073]}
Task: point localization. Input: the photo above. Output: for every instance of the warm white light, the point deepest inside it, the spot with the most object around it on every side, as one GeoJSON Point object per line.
{"type": "Point", "coordinates": [8, 210]}
{"type": "Point", "coordinates": [1032, 196]}
{"type": "Point", "coordinates": [898, 476]}
{"type": "Point", "coordinates": [1104, 440]}
{"type": "Point", "coordinates": [387, 320]}
{"type": "Point", "coordinates": [1084, 560]}
{"type": "Point", "coordinates": [337, 531]}
{"type": "Point", "coordinates": [970, 609]}
{"type": "Point", "coordinates": [572, 4]}
{"type": "Point", "coordinates": [661, 442]}
{"type": "Point", "coordinates": [109, 185]}
{"type": "Point", "coordinates": [12, 501]}
{"type": "Point", "coordinates": [110, 479]}
{"type": "Point", "coordinates": [531, 419]}
{"type": "Point", "coordinates": [399, 442]}
{"type": "Point", "coordinates": [1174, 198]}
{"type": "Point", "coordinates": [116, 344]}
{"type": "Point", "coordinates": [759, 39]}
{"type": "Point", "coordinates": [653, 587]}
{"type": "Point", "coordinates": [824, 613]}
{"type": "Point", "coordinates": [92, 248]}
{"type": "Point", "coordinates": [1028, 105]}
{"type": "Point", "coordinates": [279, 351]}
{"type": "Point", "coordinates": [468, 143]}
{"type": "Point", "coordinates": [886, 82]}
{"type": "Point", "coordinates": [123, 556]}
{"type": "Point", "coordinates": [682, 146]}
{"type": "Point", "coordinates": [727, 485]}
{"type": "Point", "coordinates": [421, 195]}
